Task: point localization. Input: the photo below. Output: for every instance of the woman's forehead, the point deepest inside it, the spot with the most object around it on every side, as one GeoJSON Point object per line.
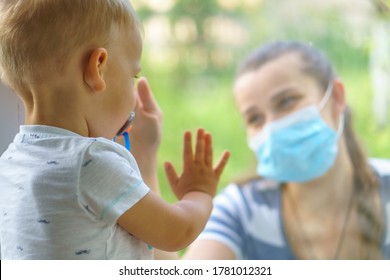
{"type": "Point", "coordinates": [284, 69]}
{"type": "Point", "coordinates": [273, 79]}
{"type": "Point", "coordinates": [284, 66]}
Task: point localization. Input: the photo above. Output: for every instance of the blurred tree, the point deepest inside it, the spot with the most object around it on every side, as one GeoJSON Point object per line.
{"type": "Point", "coordinates": [203, 35]}
{"type": "Point", "coordinates": [380, 62]}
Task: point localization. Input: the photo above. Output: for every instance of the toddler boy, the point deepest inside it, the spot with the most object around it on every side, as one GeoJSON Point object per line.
{"type": "Point", "coordinates": [67, 191]}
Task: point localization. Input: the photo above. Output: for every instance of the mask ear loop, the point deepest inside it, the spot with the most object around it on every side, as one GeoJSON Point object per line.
{"type": "Point", "coordinates": [327, 95]}
{"type": "Point", "coordinates": [341, 125]}
{"type": "Point", "coordinates": [323, 102]}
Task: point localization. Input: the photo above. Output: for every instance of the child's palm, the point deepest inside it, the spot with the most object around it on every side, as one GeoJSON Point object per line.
{"type": "Point", "coordinates": [198, 172]}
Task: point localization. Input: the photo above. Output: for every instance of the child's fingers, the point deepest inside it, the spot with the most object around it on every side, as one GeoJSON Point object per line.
{"type": "Point", "coordinates": [146, 96]}
{"type": "Point", "coordinates": [208, 150]}
{"type": "Point", "coordinates": [199, 149]}
{"type": "Point", "coordinates": [222, 163]}
{"type": "Point", "coordinates": [171, 173]}
{"type": "Point", "coordinates": [188, 156]}
{"type": "Point", "coordinates": [138, 105]}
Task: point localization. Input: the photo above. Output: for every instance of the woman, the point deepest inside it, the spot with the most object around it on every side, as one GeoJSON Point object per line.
{"type": "Point", "coordinates": [318, 195]}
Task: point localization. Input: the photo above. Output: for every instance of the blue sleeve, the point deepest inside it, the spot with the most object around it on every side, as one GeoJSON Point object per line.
{"type": "Point", "coordinates": [225, 224]}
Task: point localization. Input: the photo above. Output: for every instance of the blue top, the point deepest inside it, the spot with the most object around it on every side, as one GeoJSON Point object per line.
{"type": "Point", "coordinates": [248, 218]}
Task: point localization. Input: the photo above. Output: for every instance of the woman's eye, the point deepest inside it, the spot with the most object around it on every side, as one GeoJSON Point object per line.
{"type": "Point", "coordinates": [255, 120]}
{"type": "Point", "coordinates": [287, 103]}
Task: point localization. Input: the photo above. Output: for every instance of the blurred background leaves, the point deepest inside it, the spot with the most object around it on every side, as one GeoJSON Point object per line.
{"type": "Point", "coordinates": [192, 47]}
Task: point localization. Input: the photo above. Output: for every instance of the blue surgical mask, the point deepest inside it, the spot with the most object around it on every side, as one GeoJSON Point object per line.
{"type": "Point", "coordinates": [299, 147]}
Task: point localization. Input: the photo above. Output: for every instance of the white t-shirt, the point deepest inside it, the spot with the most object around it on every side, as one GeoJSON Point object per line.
{"type": "Point", "coordinates": [61, 195]}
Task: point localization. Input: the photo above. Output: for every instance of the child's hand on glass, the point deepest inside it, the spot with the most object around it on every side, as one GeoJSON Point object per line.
{"type": "Point", "coordinates": [198, 171]}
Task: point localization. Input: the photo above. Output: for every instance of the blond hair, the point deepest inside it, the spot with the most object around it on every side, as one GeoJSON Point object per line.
{"type": "Point", "coordinates": [38, 36]}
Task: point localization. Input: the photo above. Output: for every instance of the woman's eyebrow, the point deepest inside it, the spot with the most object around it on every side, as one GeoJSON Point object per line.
{"type": "Point", "coordinates": [274, 99]}
{"type": "Point", "coordinates": [282, 93]}
{"type": "Point", "coordinates": [250, 110]}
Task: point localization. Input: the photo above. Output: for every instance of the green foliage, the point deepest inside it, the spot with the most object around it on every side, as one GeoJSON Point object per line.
{"type": "Point", "coordinates": [382, 8]}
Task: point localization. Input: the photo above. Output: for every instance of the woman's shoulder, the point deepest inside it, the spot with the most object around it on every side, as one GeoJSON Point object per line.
{"type": "Point", "coordinates": [382, 169]}
{"type": "Point", "coordinates": [381, 166]}
{"type": "Point", "coordinates": [253, 191]}
{"type": "Point", "coordinates": [253, 184]}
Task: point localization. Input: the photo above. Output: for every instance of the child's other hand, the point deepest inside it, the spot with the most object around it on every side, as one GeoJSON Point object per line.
{"type": "Point", "coordinates": [145, 134]}
{"type": "Point", "coordinates": [198, 172]}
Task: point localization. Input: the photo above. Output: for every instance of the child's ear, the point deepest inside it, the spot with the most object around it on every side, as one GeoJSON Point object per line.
{"type": "Point", "coordinates": [94, 70]}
